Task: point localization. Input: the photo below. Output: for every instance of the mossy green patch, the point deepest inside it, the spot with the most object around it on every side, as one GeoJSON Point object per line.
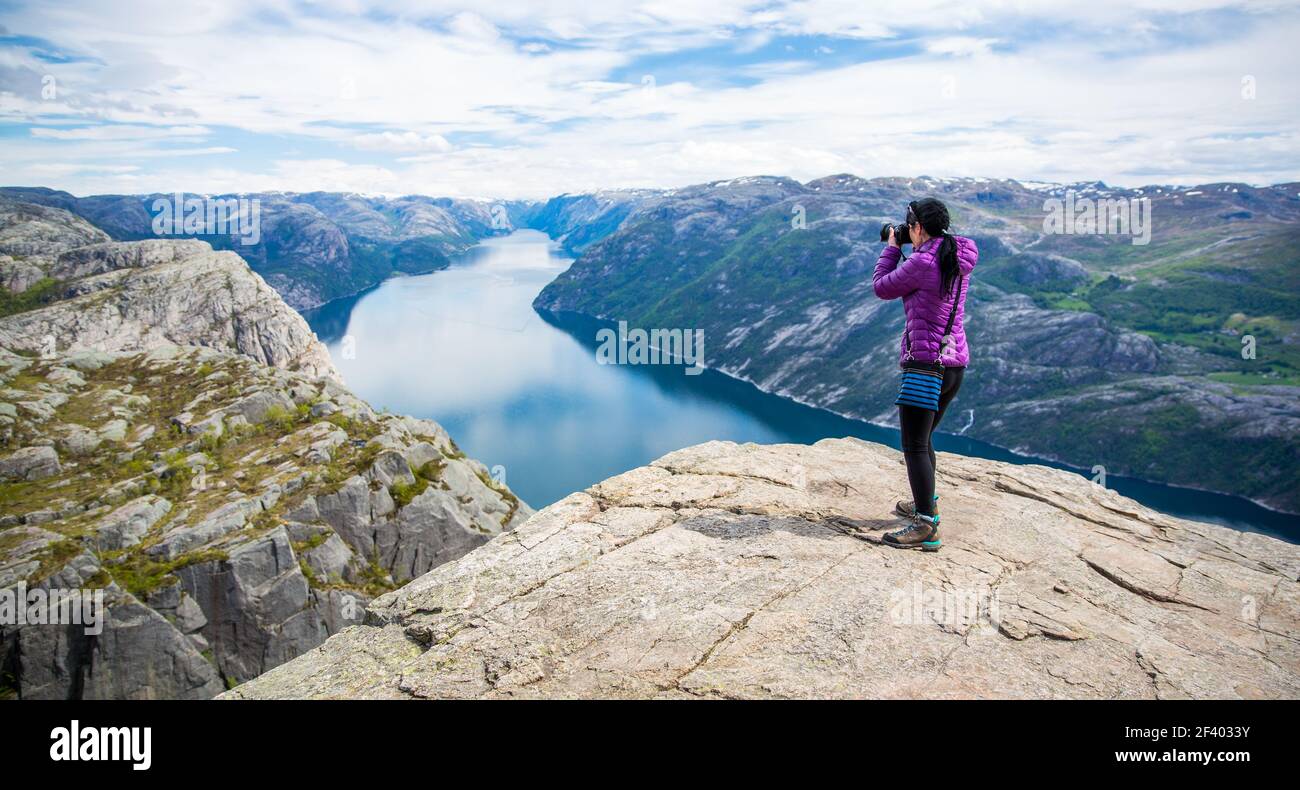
{"type": "Point", "coordinates": [140, 573]}
{"type": "Point", "coordinates": [53, 557]}
{"type": "Point", "coordinates": [403, 491]}
{"type": "Point", "coordinates": [41, 293]}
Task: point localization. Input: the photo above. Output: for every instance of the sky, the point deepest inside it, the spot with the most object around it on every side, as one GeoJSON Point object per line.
{"type": "Point", "coordinates": [532, 99]}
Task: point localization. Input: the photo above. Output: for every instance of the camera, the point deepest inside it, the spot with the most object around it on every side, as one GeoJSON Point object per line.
{"type": "Point", "coordinates": [900, 233]}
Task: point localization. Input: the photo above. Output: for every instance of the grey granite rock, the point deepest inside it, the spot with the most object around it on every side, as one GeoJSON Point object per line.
{"type": "Point", "coordinates": [30, 463]}
{"type": "Point", "coordinates": [135, 653]}
{"type": "Point", "coordinates": [257, 406]}
{"type": "Point", "coordinates": [132, 296]}
{"type": "Point", "coordinates": [220, 522]}
{"type": "Point", "coordinates": [747, 571]}
{"type": "Point", "coordinates": [247, 528]}
{"type": "Point", "coordinates": [139, 655]}
{"type": "Point", "coordinates": [257, 606]}
{"type": "Point", "coordinates": [129, 523]}
{"type": "Point", "coordinates": [79, 440]}
{"type": "Point", "coordinates": [27, 229]}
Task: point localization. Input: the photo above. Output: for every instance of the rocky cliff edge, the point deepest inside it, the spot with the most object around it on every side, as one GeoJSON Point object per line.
{"type": "Point", "coordinates": [70, 290]}
{"type": "Point", "coordinates": [728, 570]}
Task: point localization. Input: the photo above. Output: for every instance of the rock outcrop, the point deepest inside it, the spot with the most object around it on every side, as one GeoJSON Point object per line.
{"type": "Point", "coordinates": [136, 296]}
{"type": "Point", "coordinates": [175, 440]}
{"type": "Point", "coordinates": [754, 571]}
{"type": "Point", "coordinates": [28, 229]}
{"type": "Point", "coordinates": [311, 247]}
{"type": "Point", "coordinates": [232, 515]}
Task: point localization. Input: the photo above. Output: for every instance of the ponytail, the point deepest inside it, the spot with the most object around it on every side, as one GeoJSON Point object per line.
{"type": "Point", "coordinates": [948, 267]}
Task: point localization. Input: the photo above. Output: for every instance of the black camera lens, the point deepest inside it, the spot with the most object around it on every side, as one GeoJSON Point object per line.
{"type": "Point", "coordinates": [900, 233]}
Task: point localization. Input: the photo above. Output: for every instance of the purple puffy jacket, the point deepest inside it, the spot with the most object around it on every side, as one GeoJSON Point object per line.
{"type": "Point", "coordinates": [917, 281]}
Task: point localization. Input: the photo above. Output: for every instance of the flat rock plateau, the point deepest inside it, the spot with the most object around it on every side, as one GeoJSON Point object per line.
{"type": "Point", "coordinates": [748, 571]}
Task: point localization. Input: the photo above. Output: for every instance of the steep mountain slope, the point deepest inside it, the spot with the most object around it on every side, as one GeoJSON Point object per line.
{"type": "Point", "coordinates": [31, 237]}
{"type": "Point", "coordinates": [311, 247]}
{"type": "Point", "coordinates": [68, 295]}
{"type": "Point", "coordinates": [174, 436]}
{"type": "Point", "coordinates": [234, 515]}
{"type": "Point", "coordinates": [726, 571]}
{"type": "Point", "coordinates": [578, 221]}
{"type": "Point", "coordinates": [318, 246]}
{"type": "Point", "coordinates": [1087, 348]}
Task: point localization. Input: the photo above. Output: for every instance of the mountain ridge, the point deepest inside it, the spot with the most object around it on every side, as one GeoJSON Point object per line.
{"type": "Point", "coordinates": [1086, 348]}
{"type": "Point", "coordinates": [1147, 332]}
{"type": "Point", "coordinates": [357, 244]}
{"type": "Point", "coordinates": [314, 247]}
{"type": "Point", "coordinates": [103, 295]}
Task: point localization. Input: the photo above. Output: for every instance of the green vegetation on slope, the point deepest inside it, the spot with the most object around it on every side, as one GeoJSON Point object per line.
{"type": "Point", "coordinates": [42, 292]}
{"type": "Point", "coordinates": [793, 310]}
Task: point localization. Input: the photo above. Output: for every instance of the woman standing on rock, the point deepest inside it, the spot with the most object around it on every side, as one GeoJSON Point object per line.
{"type": "Point", "coordinates": [933, 355]}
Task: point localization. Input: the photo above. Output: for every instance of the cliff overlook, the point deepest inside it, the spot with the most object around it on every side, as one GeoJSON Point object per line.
{"type": "Point", "coordinates": [174, 438]}
{"type": "Point", "coordinates": [1087, 349]}
{"type": "Point", "coordinates": [727, 570]}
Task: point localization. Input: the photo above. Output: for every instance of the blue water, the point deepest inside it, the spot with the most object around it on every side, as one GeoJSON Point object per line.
{"type": "Point", "coordinates": [524, 393]}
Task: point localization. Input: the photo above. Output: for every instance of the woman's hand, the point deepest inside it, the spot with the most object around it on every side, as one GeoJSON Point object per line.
{"type": "Point", "coordinates": [892, 241]}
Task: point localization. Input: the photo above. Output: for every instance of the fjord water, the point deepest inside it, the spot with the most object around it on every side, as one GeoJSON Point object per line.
{"type": "Point", "coordinates": [526, 396]}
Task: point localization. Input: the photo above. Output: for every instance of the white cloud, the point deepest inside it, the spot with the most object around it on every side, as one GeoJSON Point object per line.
{"type": "Point", "coordinates": [469, 25]}
{"type": "Point", "coordinates": [401, 142]}
{"type": "Point", "coordinates": [123, 132]}
{"type": "Point", "coordinates": [960, 45]}
{"type": "Point", "coordinates": [64, 169]}
{"type": "Point", "coordinates": [1126, 91]}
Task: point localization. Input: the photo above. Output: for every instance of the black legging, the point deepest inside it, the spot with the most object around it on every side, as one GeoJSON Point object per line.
{"type": "Point", "coordinates": [917, 426]}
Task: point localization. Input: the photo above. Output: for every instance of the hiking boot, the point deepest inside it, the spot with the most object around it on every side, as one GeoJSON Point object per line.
{"type": "Point", "coordinates": [921, 532]}
{"type": "Point", "coordinates": [906, 508]}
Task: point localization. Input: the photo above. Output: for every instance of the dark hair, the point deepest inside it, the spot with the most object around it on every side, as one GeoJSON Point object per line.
{"type": "Point", "coordinates": [933, 216]}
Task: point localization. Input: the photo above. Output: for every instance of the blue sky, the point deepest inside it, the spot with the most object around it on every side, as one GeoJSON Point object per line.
{"type": "Point", "coordinates": [530, 99]}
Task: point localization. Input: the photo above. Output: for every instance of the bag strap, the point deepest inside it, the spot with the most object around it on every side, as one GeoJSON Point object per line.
{"type": "Point", "coordinates": [952, 314]}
